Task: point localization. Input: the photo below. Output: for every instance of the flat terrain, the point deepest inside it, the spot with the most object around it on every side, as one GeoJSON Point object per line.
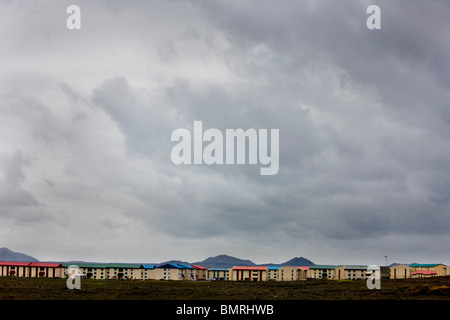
{"type": "Point", "coordinates": [437, 288]}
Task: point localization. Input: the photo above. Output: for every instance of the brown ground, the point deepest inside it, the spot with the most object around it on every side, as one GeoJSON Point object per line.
{"type": "Point", "coordinates": [437, 288]}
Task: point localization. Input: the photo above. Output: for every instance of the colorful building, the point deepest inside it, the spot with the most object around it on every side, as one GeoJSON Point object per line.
{"type": "Point", "coordinates": [322, 272]}
{"type": "Point", "coordinates": [14, 268]}
{"type": "Point", "coordinates": [179, 271]}
{"type": "Point", "coordinates": [351, 272]}
{"type": "Point", "coordinates": [400, 271]}
{"type": "Point", "coordinates": [219, 273]}
{"type": "Point", "coordinates": [272, 272]}
{"type": "Point", "coordinates": [90, 270]}
{"type": "Point", "coordinates": [148, 271]}
{"type": "Point", "coordinates": [292, 273]}
{"type": "Point", "coordinates": [174, 271]}
{"type": "Point", "coordinates": [201, 273]}
{"type": "Point", "coordinates": [32, 269]}
{"type": "Point", "coordinates": [249, 273]}
{"type": "Point", "coordinates": [428, 270]}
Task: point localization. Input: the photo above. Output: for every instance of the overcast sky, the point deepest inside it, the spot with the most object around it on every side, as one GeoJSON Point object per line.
{"type": "Point", "coordinates": [86, 118]}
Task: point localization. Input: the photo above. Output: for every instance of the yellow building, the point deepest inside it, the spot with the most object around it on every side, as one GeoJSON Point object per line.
{"type": "Point", "coordinates": [46, 270]}
{"type": "Point", "coordinates": [124, 271]}
{"type": "Point", "coordinates": [219, 273]}
{"type": "Point", "coordinates": [428, 270]}
{"type": "Point", "coordinates": [322, 272]}
{"type": "Point", "coordinates": [91, 270]}
{"type": "Point", "coordinates": [14, 268]}
{"type": "Point", "coordinates": [201, 273]}
{"type": "Point", "coordinates": [292, 273]}
{"type": "Point", "coordinates": [174, 271]}
{"type": "Point", "coordinates": [272, 272]}
{"type": "Point", "coordinates": [400, 271]}
{"type": "Point", "coordinates": [148, 272]}
{"type": "Point", "coordinates": [351, 272]}
{"type": "Point", "coordinates": [109, 270]}
{"type": "Point", "coordinates": [32, 269]}
{"type": "Point", "coordinates": [249, 273]}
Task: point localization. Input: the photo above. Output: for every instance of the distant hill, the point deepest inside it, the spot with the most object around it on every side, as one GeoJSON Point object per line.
{"type": "Point", "coordinates": [396, 264]}
{"type": "Point", "coordinates": [174, 261]}
{"type": "Point", "coordinates": [298, 261]}
{"type": "Point", "coordinates": [8, 255]}
{"type": "Point", "coordinates": [229, 261]}
{"type": "Point", "coordinates": [224, 261]}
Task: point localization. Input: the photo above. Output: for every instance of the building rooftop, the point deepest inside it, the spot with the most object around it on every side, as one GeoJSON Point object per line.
{"type": "Point", "coordinates": [174, 266]}
{"type": "Point", "coordinates": [251, 268]}
{"type": "Point", "coordinates": [14, 263]}
{"type": "Point", "coordinates": [323, 266]}
{"type": "Point", "coordinates": [185, 266]}
{"type": "Point", "coordinates": [273, 267]}
{"type": "Point", "coordinates": [86, 265]}
{"type": "Point", "coordinates": [46, 264]}
{"type": "Point", "coordinates": [424, 265]}
{"type": "Point", "coordinates": [425, 272]}
{"type": "Point", "coordinates": [198, 267]}
{"type": "Point", "coordinates": [355, 267]}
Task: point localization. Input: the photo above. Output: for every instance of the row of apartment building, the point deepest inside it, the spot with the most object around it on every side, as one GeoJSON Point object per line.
{"type": "Point", "coordinates": [175, 271]}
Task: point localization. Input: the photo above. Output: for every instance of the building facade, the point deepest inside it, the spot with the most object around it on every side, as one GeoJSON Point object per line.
{"type": "Point", "coordinates": [272, 272]}
{"type": "Point", "coordinates": [219, 273]}
{"type": "Point", "coordinates": [249, 273]}
{"type": "Point", "coordinates": [13, 268]}
{"type": "Point", "coordinates": [351, 272]}
{"type": "Point", "coordinates": [292, 273]}
{"type": "Point", "coordinates": [322, 272]}
{"type": "Point", "coordinates": [32, 269]}
{"type": "Point", "coordinates": [428, 269]}
{"type": "Point", "coordinates": [400, 271]}
{"type": "Point", "coordinates": [201, 273]}
{"type": "Point", "coordinates": [175, 271]}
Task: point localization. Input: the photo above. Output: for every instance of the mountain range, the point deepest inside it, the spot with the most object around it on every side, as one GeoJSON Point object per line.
{"type": "Point", "coordinates": [222, 260]}
{"type": "Point", "coordinates": [226, 261]}
{"type": "Point", "coordinates": [8, 255]}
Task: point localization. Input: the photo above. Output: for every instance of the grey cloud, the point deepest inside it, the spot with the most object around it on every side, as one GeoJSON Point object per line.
{"type": "Point", "coordinates": [363, 118]}
{"type": "Point", "coordinates": [39, 118]}
{"type": "Point", "coordinates": [17, 203]}
{"type": "Point", "coordinates": [145, 121]}
{"type": "Point", "coordinates": [12, 192]}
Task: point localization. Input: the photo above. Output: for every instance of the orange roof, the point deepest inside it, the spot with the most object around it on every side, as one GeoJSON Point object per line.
{"type": "Point", "coordinates": [14, 263]}
{"type": "Point", "coordinates": [46, 264]}
{"type": "Point", "coordinates": [425, 272]}
{"type": "Point", "coordinates": [253, 268]}
{"type": "Point", "coordinates": [303, 267]}
{"type": "Point", "coordinates": [198, 267]}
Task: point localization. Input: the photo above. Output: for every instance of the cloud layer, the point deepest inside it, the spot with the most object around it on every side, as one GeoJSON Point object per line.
{"type": "Point", "coordinates": [363, 116]}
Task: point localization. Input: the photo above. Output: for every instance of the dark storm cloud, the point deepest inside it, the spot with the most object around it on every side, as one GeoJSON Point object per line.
{"type": "Point", "coordinates": [359, 194]}
{"type": "Point", "coordinates": [363, 118]}
{"type": "Point", "coordinates": [209, 200]}
{"type": "Point", "coordinates": [397, 66]}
